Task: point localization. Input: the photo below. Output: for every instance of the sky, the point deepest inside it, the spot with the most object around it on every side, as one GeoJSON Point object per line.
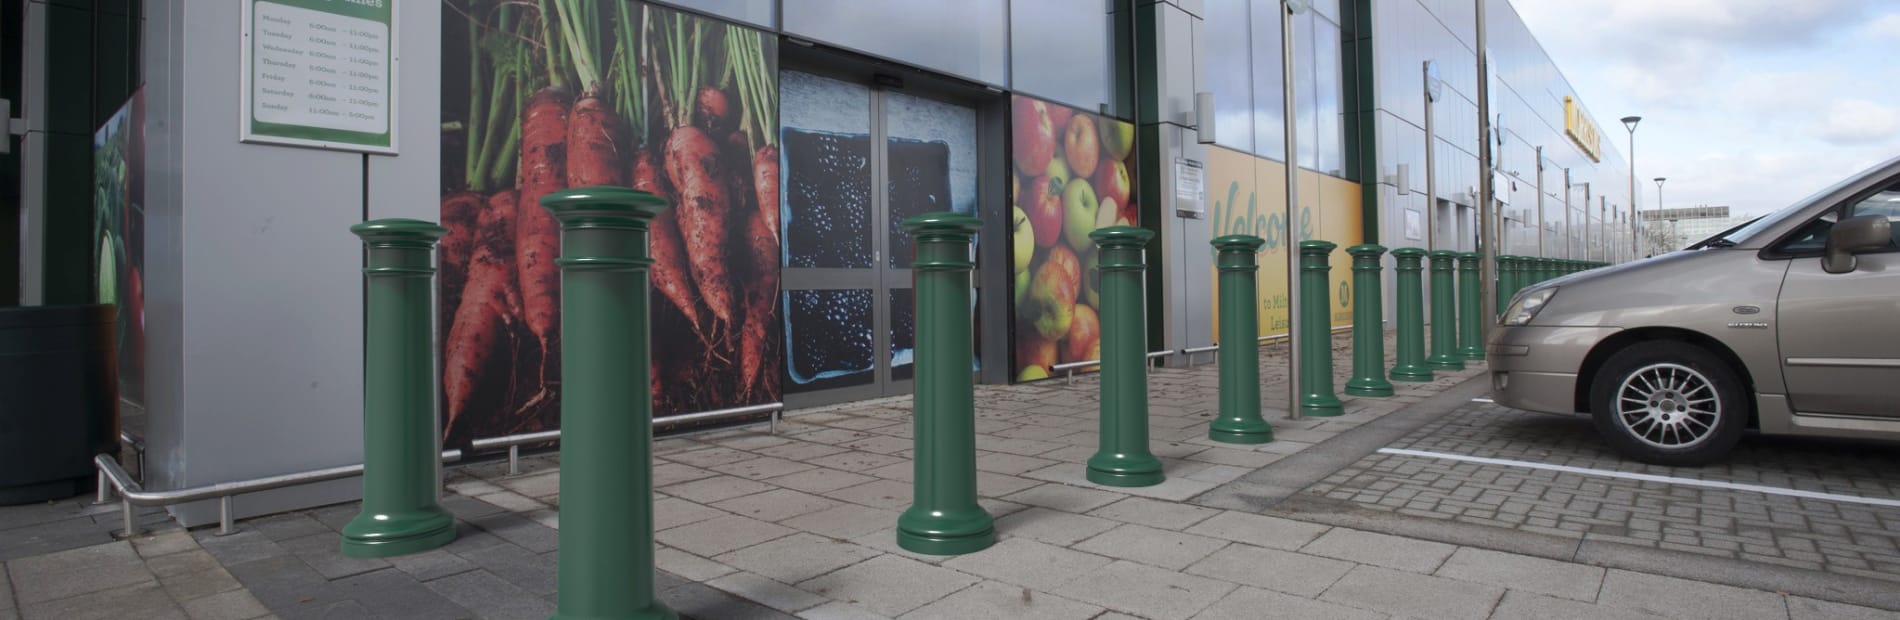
{"type": "Point", "coordinates": [1752, 104]}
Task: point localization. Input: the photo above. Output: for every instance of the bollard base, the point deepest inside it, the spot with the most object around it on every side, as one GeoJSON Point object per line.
{"type": "Point", "coordinates": [1472, 354]}
{"type": "Point", "coordinates": [1412, 374]}
{"type": "Point", "coordinates": [368, 536]}
{"type": "Point", "coordinates": [1322, 407]}
{"type": "Point", "coordinates": [945, 533]}
{"type": "Point", "coordinates": [1254, 431]}
{"type": "Point", "coordinates": [1125, 470]}
{"type": "Point", "coordinates": [1447, 362]}
{"type": "Point", "coordinates": [1370, 386]}
{"type": "Point", "coordinates": [656, 611]}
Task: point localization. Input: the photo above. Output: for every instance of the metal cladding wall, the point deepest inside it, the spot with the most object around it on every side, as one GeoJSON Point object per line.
{"type": "Point", "coordinates": [253, 281]}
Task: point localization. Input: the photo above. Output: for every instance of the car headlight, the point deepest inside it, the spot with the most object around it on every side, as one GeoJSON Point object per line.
{"type": "Point", "coordinates": [1526, 306]}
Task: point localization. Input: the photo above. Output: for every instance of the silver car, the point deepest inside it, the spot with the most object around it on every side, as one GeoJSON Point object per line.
{"type": "Point", "coordinates": [1789, 324]}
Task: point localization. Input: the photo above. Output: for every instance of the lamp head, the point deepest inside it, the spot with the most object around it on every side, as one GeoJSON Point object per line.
{"type": "Point", "coordinates": [1630, 122]}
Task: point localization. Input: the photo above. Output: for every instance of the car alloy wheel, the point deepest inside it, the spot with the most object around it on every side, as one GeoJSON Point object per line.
{"type": "Point", "coordinates": [1668, 405]}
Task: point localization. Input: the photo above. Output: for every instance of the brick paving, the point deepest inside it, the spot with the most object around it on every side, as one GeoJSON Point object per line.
{"type": "Point", "coordinates": [800, 525]}
{"type": "Point", "coordinates": [1814, 534]}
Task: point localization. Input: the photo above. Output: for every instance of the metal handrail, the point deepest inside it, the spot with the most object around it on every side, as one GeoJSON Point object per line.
{"type": "Point", "coordinates": [131, 493]}
{"type": "Point", "coordinates": [514, 442]}
{"type": "Point", "coordinates": [1071, 367]}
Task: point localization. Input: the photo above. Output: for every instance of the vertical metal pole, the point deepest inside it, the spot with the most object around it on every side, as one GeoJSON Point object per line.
{"type": "Point", "coordinates": [1431, 168]}
{"type": "Point", "coordinates": [402, 453]}
{"type": "Point", "coordinates": [102, 491]}
{"type": "Point", "coordinates": [1123, 459]}
{"type": "Point", "coordinates": [1568, 225]}
{"type": "Point", "coordinates": [514, 460]}
{"type": "Point", "coordinates": [1540, 203]}
{"type": "Point", "coordinates": [1240, 421]}
{"type": "Point", "coordinates": [1634, 242]}
{"type": "Point", "coordinates": [944, 518]}
{"type": "Point", "coordinates": [1368, 335]}
{"type": "Point", "coordinates": [1316, 369]}
{"type": "Point", "coordinates": [1411, 314]}
{"type": "Point", "coordinates": [1290, 112]}
{"type": "Point", "coordinates": [606, 537]}
{"type": "Point", "coordinates": [227, 522]}
{"type": "Point", "coordinates": [129, 518]}
{"type": "Point", "coordinates": [1490, 238]}
{"type": "Point", "coordinates": [1444, 313]}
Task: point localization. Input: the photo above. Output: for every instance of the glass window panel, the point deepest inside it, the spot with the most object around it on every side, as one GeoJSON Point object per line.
{"type": "Point", "coordinates": [1061, 50]}
{"type": "Point", "coordinates": [749, 11]}
{"type": "Point", "coordinates": [830, 336]}
{"type": "Point", "coordinates": [1329, 92]}
{"type": "Point", "coordinates": [967, 38]}
{"type": "Point", "coordinates": [1229, 72]}
{"type": "Point", "coordinates": [932, 164]}
{"type": "Point", "coordinates": [1268, 104]}
{"type": "Point", "coordinates": [903, 333]}
{"type": "Point", "coordinates": [826, 153]}
{"type": "Point", "coordinates": [1305, 89]}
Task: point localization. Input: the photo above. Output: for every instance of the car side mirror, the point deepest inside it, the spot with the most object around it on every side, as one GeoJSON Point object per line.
{"type": "Point", "coordinates": [1852, 235]}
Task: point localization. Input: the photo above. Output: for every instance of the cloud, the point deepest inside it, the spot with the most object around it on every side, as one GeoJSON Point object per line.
{"type": "Point", "coordinates": [1859, 121]}
{"type": "Point", "coordinates": [1885, 27]}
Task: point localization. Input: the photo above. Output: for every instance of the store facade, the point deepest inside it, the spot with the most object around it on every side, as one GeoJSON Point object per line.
{"type": "Point", "coordinates": [792, 136]}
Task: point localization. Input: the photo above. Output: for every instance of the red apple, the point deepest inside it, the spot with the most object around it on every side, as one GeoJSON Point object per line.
{"type": "Point", "coordinates": [1034, 136]}
{"type": "Point", "coordinates": [1033, 350]}
{"type": "Point", "coordinates": [1059, 115]}
{"type": "Point", "coordinates": [1045, 211]}
{"type": "Point", "coordinates": [1111, 182]}
{"type": "Point", "coordinates": [1085, 332]}
{"type": "Point", "coordinates": [1082, 146]}
{"type": "Point", "coordinates": [1053, 291]}
{"type": "Point", "coordinates": [1132, 213]}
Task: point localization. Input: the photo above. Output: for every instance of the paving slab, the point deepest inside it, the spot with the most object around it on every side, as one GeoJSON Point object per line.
{"type": "Point", "coordinates": [1052, 526]}
{"type": "Point", "coordinates": [767, 592]}
{"type": "Point", "coordinates": [1523, 572]}
{"type": "Point", "coordinates": [990, 599]}
{"type": "Point", "coordinates": [1028, 563]}
{"type": "Point", "coordinates": [797, 557]}
{"type": "Point", "coordinates": [1520, 605]}
{"type": "Point", "coordinates": [1154, 513]}
{"type": "Point", "coordinates": [1403, 593]}
{"type": "Point", "coordinates": [1151, 546]}
{"type": "Point", "coordinates": [1260, 531]}
{"type": "Point", "coordinates": [228, 605]}
{"type": "Point", "coordinates": [716, 536]}
{"type": "Point", "coordinates": [63, 574]}
{"type": "Point", "coordinates": [889, 584]}
{"type": "Point", "coordinates": [1684, 598]}
{"type": "Point", "coordinates": [1380, 550]}
{"type": "Point", "coordinates": [490, 596]}
{"type": "Point", "coordinates": [844, 521]}
{"type": "Point", "coordinates": [1272, 569]}
{"type": "Point", "coordinates": [1254, 603]}
{"type": "Point", "coordinates": [776, 505]}
{"type": "Point", "coordinates": [1146, 591]}
{"type": "Point", "coordinates": [146, 601]}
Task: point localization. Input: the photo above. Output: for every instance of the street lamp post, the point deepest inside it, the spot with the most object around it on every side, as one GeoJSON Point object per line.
{"type": "Point", "coordinates": [1629, 122]}
{"type": "Point", "coordinates": [1290, 128]}
{"type": "Point", "coordinates": [1659, 208]}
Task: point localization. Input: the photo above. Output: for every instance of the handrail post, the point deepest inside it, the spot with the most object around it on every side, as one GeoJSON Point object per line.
{"type": "Point", "coordinates": [1317, 398]}
{"type": "Point", "coordinates": [944, 517]}
{"type": "Point", "coordinates": [606, 536]}
{"type": "Point", "coordinates": [1444, 313]}
{"type": "Point", "coordinates": [1368, 331]}
{"type": "Point", "coordinates": [1123, 459]}
{"type": "Point", "coordinates": [401, 453]}
{"type": "Point", "coordinates": [1239, 354]}
{"type": "Point", "coordinates": [1411, 313]}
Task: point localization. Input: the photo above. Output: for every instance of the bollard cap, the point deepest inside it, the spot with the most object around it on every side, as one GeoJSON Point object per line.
{"type": "Point", "coordinates": [1469, 256]}
{"type": "Point", "coordinates": [1408, 252]}
{"type": "Point", "coordinates": [1121, 237]}
{"type": "Point", "coordinates": [585, 207]}
{"type": "Point", "coordinates": [1366, 250]}
{"type": "Point", "coordinates": [1237, 243]}
{"type": "Point", "coordinates": [399, 232]}
{"type": "Point", "coordinates": [1315, 246]}
{"type": "Point", "coordinates": [1438, 254]}
{"type": "Point", "coordinates": [942, 222]}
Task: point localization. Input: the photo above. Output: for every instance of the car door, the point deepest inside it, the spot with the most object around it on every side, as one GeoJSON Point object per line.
{"type": "Point", "coordinates": [1840, 332]}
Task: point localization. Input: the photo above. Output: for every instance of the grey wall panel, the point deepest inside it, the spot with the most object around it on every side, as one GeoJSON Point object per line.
{"type": "Point", "coordinates": [164, 245]}
{"type": "Point", "coordinates": [402, 186]}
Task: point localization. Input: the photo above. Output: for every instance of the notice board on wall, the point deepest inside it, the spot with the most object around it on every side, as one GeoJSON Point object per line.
{"type": "Point", "coordinates": [320, 73]}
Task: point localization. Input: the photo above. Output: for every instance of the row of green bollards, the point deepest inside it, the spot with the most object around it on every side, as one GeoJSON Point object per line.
{"type": "Point", "coordinates": [1517, 272]}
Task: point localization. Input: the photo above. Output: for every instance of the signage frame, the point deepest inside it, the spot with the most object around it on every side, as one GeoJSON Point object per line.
{"type": "Point", "coordinates": [337, 139]}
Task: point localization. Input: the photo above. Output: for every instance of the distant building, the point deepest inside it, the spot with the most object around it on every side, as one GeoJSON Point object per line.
{"type": "Point", "coordinates": [1688, 225]}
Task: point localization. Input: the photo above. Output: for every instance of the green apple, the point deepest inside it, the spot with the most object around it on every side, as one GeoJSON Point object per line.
{"type": "Point", "coordinates": [1023, 237]}
{"type": "Point", "coordinates": [1022, 289]}
{"type": "Point", "coordinates": [1092, 281]}
{"type": "Point", "coordinates": [1080, 210]}
{"type": "Point", "coordinates": [1058, 174]}
{"type": "Point", "coordinates": [1118, 138]}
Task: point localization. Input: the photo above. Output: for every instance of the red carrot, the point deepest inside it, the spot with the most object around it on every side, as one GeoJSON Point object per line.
{"type": "Point", "coordinates": [761, 301]}
{"type": "Point", "coordinates": [715, 110]}
{"type": "Point", "coordinates": [459, 213]}
{"type": "Point", "coordinates": [670, 272]}
{"type": "Point", "coordinates": [594, 138]}
{"type": "Point", "coordinates": [693, 163]}
{"type": "Point", "coordinates": [537, 237]}
{"type": "Point", "coordinates": [765, 184]}
{"type": "Point", "coordinates": [489, 304]}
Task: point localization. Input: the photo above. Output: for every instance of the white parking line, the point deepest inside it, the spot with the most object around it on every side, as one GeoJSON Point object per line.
{"type": "Point", "coordinates": [1482, 400]}
{"type": "Point", "coordinates": [1710, 484]}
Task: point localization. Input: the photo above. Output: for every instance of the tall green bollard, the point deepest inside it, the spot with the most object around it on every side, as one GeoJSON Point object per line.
{"type": "Point", "coordinates": [944, 518]}
{"type": "Point", "coordinates": [606, 535]}
{"type": "Point", "coordinates": [1317, 398]}
{"type": "Point", "coordinates": [1547, 269]}
{"type": "Point", "coordinates": [1123, 459]}
{"type": "Point", "coordinates": [401, 457]}
{"type": "Point", "coordinates": [1240, 420]}
{"type": "Point", "coordinates": [1368, 332]}
{"type": "Point", "coordinates": [1444, 313]}
{"type": "Point", "coordinates": [1470, 314]}
{"type": "Point", "coordinates": [1530, 271]}
{"type": "Point", "coordinates": [1411, 310]}
{"type": "Point", "coordinates": [1507, 282]}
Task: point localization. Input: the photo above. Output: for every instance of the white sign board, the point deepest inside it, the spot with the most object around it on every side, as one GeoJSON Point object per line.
{"type": "Point", "coordinates": [320, 73]}
{"type": "Point", "coordinates": [1190, 188]}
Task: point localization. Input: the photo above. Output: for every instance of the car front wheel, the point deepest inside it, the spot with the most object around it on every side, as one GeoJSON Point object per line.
{"type": "Point", "coordinates": [1669, 403]}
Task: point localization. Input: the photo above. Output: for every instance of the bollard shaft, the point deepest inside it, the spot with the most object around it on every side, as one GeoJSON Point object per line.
{"type": "Point", "coordinates": [1368, 332]}
{"type": "Point", "coordinates": [1411, 313]}
{"type": "Point", "coordinates": [944, 518]}
{"type": "Point", "coordinates": [1444, 313]}
{"type": "Point", "coordinates": [401, 453]}
{"type": "Point", "coordinates": [1470, 312]}
{"type": "Point", "coordinates": [1123, 459]}
{"type": "Point", "coordinates": [1316, 335]}
{"type": "Point", "coordinates": [1240, 420]}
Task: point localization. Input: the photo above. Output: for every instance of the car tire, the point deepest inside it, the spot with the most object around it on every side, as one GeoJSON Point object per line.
{"type": "Point", "coordinates": [1679, 404]}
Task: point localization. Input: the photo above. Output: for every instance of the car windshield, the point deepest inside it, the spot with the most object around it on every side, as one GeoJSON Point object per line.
{"type": "Point", "coordinates": [1741, 234]}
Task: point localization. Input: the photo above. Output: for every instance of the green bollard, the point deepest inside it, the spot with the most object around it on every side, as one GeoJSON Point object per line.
{"type": "Point", "coordinates": [944, 518]}
{"type": "Point", "coordinates": [1368, 333]}
{"type": "Point", "coordinates": [1444, 313]}
{"type": "Point", "coordinates": [1547, 269]}
{"type": "Point", "coordinates": [1470, 316]}
{"type": "Point", "coordinates": [402, 459]}
{"type": "Point", "coordinates": [1123, 459]}
{"type": "Point", "coordinates": [1507, 282]}
{"type": "Point", "coordinates": [1530, 271]}
{"type": "Point", "coordinates": [606, 535]}
{"type": "Point", "coordinates": [1411, 310]}
{"type": "Point", "coordinates": [1240, 420]}
{"type": "Point", "coordinates": [1316, 340]}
